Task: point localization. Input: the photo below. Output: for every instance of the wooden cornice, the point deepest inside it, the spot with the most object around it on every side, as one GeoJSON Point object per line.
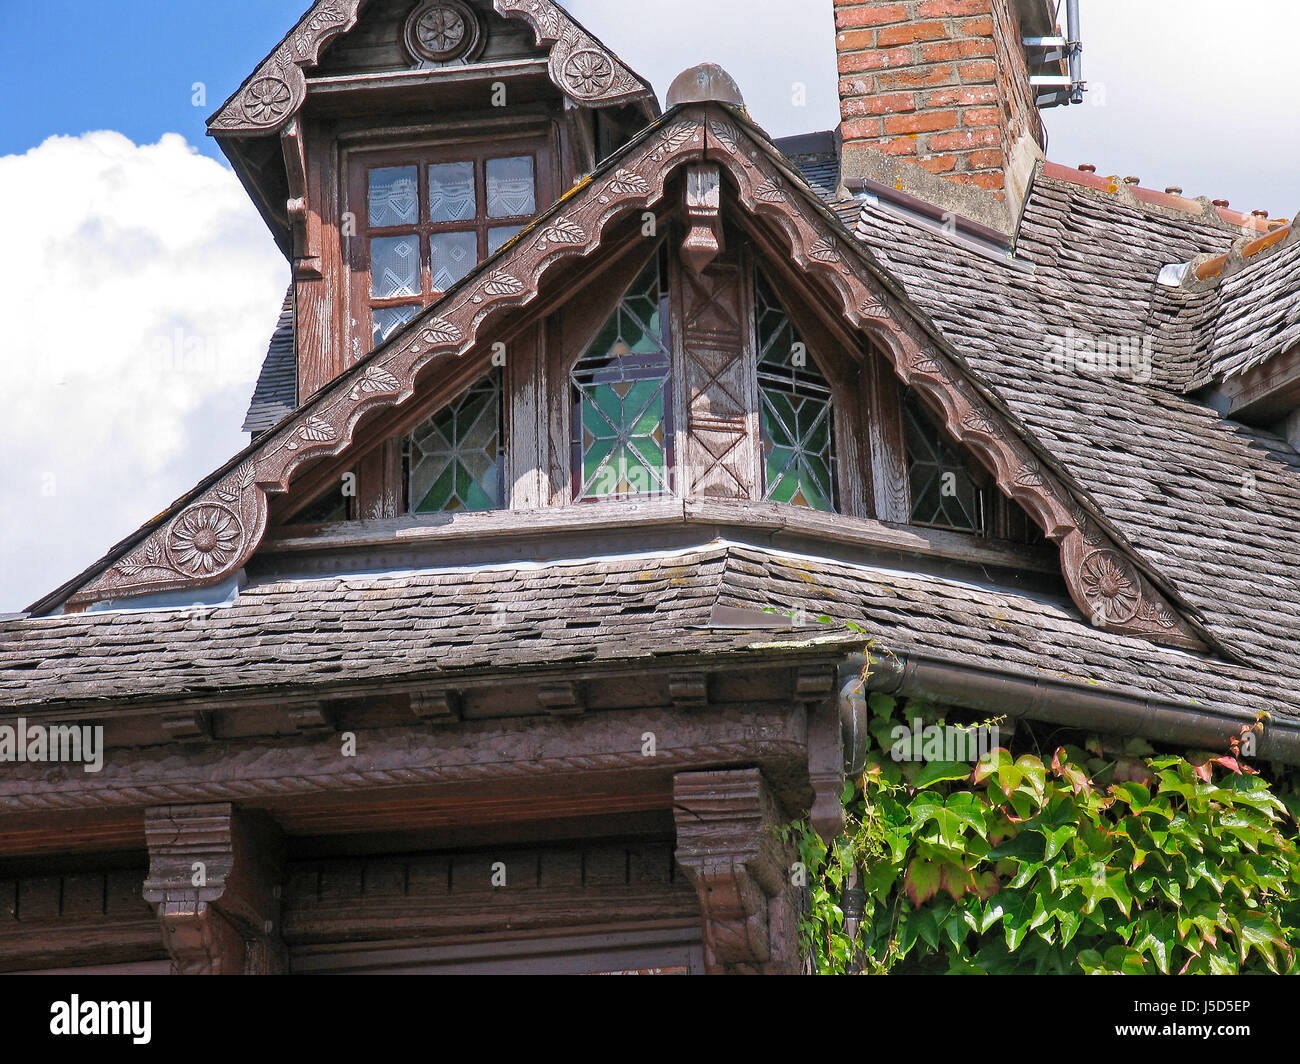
{"type": "Point", "coordinates": [579, 65]}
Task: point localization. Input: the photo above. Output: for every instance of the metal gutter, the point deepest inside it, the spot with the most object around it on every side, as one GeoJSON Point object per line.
{"type": "Point", "coordinates": [1077, 705]}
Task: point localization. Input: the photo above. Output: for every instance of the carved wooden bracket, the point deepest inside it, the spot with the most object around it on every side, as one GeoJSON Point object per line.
{"type": "Point", "coordinates": [726, 844]}
{"type": "Point", "coordinates": [826, 771]}
{"type": "Point", "coordinates": [436, 706]}
{"type": "Point", "coordinates": [217, 530]}
{"type": "Point", "coordinates": [1101, 578]}
{"type": "Point", "coordinates": [704, 242]}
{"type": "Point", "coordinates": [580, 66]}
{"type": "Point", "coordinates": [304, 221]}
{"type": "Point", "coordinates": [214, 880]}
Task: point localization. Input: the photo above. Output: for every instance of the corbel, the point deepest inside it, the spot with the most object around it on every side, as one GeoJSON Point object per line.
{"type": "Point", "coordinates": [704, 241]}
{"type": "Point", "coordinates": [727, 845]}
{"type": "Point", "coordinates": [312, 716]}
{"type": "Point", "coordinates": [190, 724]}
{"type": "Point", "coordinates": [562, 699]}
{"type": "Point", "coordinates": [688, 690]}
{"type": "Point", "coordinates": [812, 683]}
{"type": "Point", "coordinates": [304, 221]}
{"type": "Point", "coordinates": [215, 882]}
{"type": "Point", "coordinates": [436, 707]}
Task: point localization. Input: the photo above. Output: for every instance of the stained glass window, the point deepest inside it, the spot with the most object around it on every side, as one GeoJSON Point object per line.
{"type": "Point", "coordinates": [796, 415]}
{"type": "Point", "coordinates": [621, 422]}
{"type": "Point", "coordinates": [456, 459]}
{"type": "Point", "coordinates": [944, 492]}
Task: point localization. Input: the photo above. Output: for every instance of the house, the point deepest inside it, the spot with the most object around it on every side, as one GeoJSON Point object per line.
{"type": "Point", "coordinates": [501, 646]}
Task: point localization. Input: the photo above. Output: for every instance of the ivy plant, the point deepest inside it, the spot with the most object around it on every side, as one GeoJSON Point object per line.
{"type": "Point", "coordinates": [1065, 857]}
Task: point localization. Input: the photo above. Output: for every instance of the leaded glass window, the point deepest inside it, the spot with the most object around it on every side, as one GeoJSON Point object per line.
{"type": "Point", "coordinates": [943, 486]}
{"type": "Point", "coordinates": [796, 416]}
{"type": "Point", "coordinates": [621, 404]}
{"type": "Point", "coordinates": [456, 460]}
{"type": "Point", "coordinates": [431, 217]}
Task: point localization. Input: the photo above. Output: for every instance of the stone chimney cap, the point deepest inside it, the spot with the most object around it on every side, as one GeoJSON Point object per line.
{"type": "Point", "coordinates": [705, 83]}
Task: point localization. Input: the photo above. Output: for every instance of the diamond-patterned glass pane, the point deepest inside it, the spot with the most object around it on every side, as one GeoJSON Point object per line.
{"type": "Point", "coordinates": [395, 266]}
{"type": "Point", "coordinates": [451, 192]}
{"type": "Point", "coordinates": [454, 255]}
{"type": "Point", "coordinates": [943, 492]}
{"type": "Point", "coordinates": [511, 189]}
{"type": "Point", "coordinates": [389, 319]}
{"type": "Point", "coordinates": [394, 196]}
{"type": "Point", "coordinates": [456, 459]}
{"type": "Point", "coordinates": [498, 236]}
{"type": "Point", "coordinates": [620, 423]}
{"type": "Point", "coordinates": [797, 416]}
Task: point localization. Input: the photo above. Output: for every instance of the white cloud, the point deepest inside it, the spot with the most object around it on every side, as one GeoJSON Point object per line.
{"type": "Point", "coordinates": [141, 287]}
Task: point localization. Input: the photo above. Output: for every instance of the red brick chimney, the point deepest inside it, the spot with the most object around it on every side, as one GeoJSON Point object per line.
{"type": "Point", "coordinates": [935, 101]}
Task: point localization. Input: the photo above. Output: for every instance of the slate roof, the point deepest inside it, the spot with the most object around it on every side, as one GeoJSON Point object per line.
{"type": "Point", "coordinates": [438, 623]}
{"type": "Point", "coordinates": [1212, 505]}
{"type": "Point", "coordinates": [1260, 311]}
{"type": "Point", "coordinates": [276, 393]}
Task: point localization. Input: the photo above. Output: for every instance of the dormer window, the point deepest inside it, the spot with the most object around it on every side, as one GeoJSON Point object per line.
{"type": "Point", "coordinates": [430, 216]}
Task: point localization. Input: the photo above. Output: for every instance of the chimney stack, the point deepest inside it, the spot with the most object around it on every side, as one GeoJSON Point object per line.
{"type": "Point", "coordinates": [935, 101]}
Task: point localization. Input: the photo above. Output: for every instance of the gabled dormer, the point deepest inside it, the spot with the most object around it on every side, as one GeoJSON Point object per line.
{"type": "Point", "coordinates": [392, 145]}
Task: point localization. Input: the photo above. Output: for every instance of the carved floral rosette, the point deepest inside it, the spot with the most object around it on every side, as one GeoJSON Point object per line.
{"type": "Point", "coordinates": [1102, 581]}
{"type": "Point", "coordinates": [278, 88]}
{"type": "Point", "coordinates": [214, 535]}
{"type": "Point", "coordinates": [579, 65]}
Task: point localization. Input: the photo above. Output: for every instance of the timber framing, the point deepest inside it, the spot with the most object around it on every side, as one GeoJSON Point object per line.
{"type": "Point", "coordinates": [213, 532]}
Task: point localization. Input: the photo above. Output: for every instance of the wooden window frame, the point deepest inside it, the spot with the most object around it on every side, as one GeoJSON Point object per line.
{"type": "Point", "coordinates": [360, 158]}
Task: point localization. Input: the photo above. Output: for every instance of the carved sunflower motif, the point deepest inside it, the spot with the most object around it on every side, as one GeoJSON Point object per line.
{"type": "Point", "coordinates": [267, 100]}
{"type": "Point", "coordinates": [1111, 586]}
{"type": "Point", "coordinates": [588, 73]}
{"type": "Point", "coordinates": [205, 540]}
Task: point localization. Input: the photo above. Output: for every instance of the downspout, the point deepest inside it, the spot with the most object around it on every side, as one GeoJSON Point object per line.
{"type": "Point", "coordinates": [1077, 705]}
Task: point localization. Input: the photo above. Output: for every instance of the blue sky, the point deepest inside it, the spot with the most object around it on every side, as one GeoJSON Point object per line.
{"type": "Point", "coordinates": [69, 66]}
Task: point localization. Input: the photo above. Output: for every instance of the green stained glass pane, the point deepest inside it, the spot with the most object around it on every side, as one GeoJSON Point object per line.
{"type": "Point", "coordinates": [944, 494]}
{"type": "Point", "coordinates": [620, 389]}
{"type": "Point", "coordinates": [456, 459]}
{"type": "Point", "coordinates": [797, 417]}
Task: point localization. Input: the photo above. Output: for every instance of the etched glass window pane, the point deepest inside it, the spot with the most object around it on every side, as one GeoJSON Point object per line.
{"type": "Point", "coordinates": [389, 319]}
{"type": "Point", "coordinates": [944, 494]}
{"type": "Point", "coordinates": [456, 459]}
{"type": "Point", "coordinates": [620, 420]}
{"type": "Point", "coordinates": [501, 235]}
{"type": "Point", "coordinates": [510, 187]}
{"type": "Point", "coordinates": [796, 416]}
{"type": "Point", "coordinates": [453, 256]}
{"type": "Point", "coordinates": [395, 266]}
{"type": "Point", "coordinates": [394, 196]}
{"type": "Point", "coordinates": [451, 192]}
